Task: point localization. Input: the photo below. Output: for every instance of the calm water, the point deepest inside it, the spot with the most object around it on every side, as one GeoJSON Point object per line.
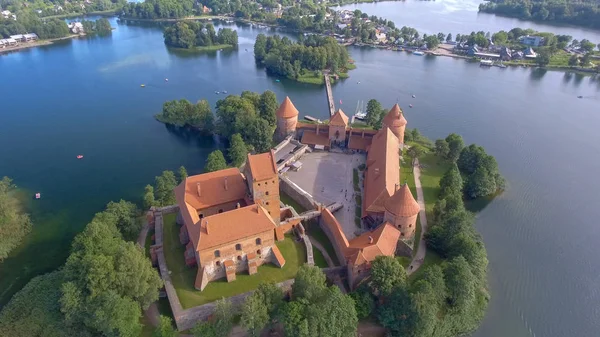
{"type": "Point", "coordinates": [458, 16]}
{"type": "Point", "coordinates": [84, 97]}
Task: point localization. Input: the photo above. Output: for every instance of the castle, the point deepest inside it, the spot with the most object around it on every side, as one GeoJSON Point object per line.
{"type": "Point", "coordinates": [231, 219]}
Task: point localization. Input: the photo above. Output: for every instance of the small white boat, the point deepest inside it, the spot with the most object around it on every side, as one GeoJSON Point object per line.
{"type": "Point", "coordinates": [360, 115]}
{"type": "Point", "coordinates": [224, 91]}
{"type": "Point", "coordinates": [418, 53]}
{"type": "Point", "coordinates": [216, 92]}
{"type": "Point", "coordinates": [413, 96]}
{"type": "Point", "coordinates": [38, 195]}
{"type": "Point", "coordinates": [486, 63]}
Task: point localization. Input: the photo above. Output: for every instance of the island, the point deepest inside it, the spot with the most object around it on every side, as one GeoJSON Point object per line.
{"type": "Point", "coordinates": [303, 61]}
{"type": "Point", "coordinates": [195, 36]}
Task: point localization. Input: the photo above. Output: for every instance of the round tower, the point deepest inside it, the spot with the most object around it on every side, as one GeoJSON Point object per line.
{"type": "Point", "coordinates": [396, 122]}
{"type": "Point", "coordinates": [287, 118]}
{"type": "Point", "coordinates": [401, 210]}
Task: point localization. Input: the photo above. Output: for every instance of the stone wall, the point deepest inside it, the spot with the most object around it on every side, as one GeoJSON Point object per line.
{"type": "Point", "coordinates": [403, 249]}
{"type": "Point", "coordinates": [295, 192]}
{"type": "Point", "coordinates": [168, 209]}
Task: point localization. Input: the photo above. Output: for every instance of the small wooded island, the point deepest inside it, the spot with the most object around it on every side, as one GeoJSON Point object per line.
{"type": "Point", "coordinates": [196, 36]}
{"type": "Point", "coordinates": [303, 61]}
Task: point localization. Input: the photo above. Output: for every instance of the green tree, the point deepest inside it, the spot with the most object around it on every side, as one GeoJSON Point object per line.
{"type": "Point", "coordinates": [414, 152]}
{"type": "Point", "coordinates": [586, 45]}
{"type": "Point", "coordinates": [542, 59]}
{"type": "Point", "coordinates": [455, 146]}
{"type": "Point", "coordinates": [14, 224]}
{"type": "Point", "coordinates": [397, 314]}
{"type": "Point", "coordinates": [149, 197]}
{"type": "Point", "coordinates": [272, 296]}
{"type": "Point", "coordinates": [432, 42]}
{"type": "Point", "coordinates": [259, 134]}
{"type": "Point", "coordinates": [268, 107]}
{"type": "Point", "coordinates": [182, 174]}
{"type": "Point", "coordinates": [180, 36]}
{"type": "Point", "coordinates": [451, 182]}
{"type": "Point", "coordinates": [374, 113]}
{"type": "Point", "coordinates": [103, 26]}
{"type": "Point", "coordinates": [332, 316]}
{"type": "Point", "coordinates": [416, 135]}
{"type": "Point", "coordinates": [293, 319]}
{"type": "Point", "coordinates": [387, 273]}
{"type": "Point", "coordinates": [165, 183]}
{"type": "Point", "coordinates": [480, 183]}
{"type": "Point", "coordinates": [460, 283]}
{"type": "Point", "coordinates": [165, 328]}
{"type": "Point", "coordinates": [364, 303]}
{"type": "Point", "coordinates": [124, 215]}
{"type": "Point", "coordinates": [434, 275]}
{"type": "Point", "coordinates": [221, 324]}
{"type": "Point", "coordinates": [309, 283]}
{"type": "Point", "coordinates": [449, 37]}
{"type": "Point", "coordinates": [441, 148]}
{"type": "Point", "coordinates": [237, 150]}
{"type": "Point", "coordinates": [215, 162]}
{"type": "Point", "coordinates": [35, 310]}
{"type": "Point", "coordinates": [255, 315]}
{"type": "Point", "coordinates": [573, 61]}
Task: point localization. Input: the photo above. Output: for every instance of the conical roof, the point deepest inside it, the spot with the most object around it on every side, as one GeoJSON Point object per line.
{"type": "Point", "coordinates": [339, 119]}
{"type": "Point", "coordinates": [402, 203]}
{"type": "Point", "coordinates": [395, 117]}
{"type": "Point", "coordinates": [287, 109]}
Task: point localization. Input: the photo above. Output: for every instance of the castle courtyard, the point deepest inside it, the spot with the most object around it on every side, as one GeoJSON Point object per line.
{"type": "Point", "coordinates": [327, 176]}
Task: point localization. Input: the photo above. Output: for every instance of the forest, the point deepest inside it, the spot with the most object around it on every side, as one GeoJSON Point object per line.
{"type": "Point", "coordinates": [584, 13]}
{"type": "Point", "coordinates": [28, 22]}
{"type": "Point", "coordinates": [282, 57]}
{"type": "Point", "coordinates": [45, 8]}
{"type": "Point", "coordinates": [193, 34]}
{"type": "Point", "coordinates": [158, 9]}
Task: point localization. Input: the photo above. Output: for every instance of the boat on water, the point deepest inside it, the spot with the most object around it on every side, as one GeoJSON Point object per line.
{"type": "Point", "coordinates": [38, 195]}
{"type": "Point", "coordinates": [413, 96]}
{"type": "Point", "coordinates": [277, 80]}
{"type": "Point", "coordinates": [143, 85]}
{"type": "Point", "coordinates": [579, 96]}
{"type": "Point", "coordinates": [486, 63]}
{"type": "Point", "coordinates": [224, 91]}
{"type": "Point", "coordinates": [410, 105]}
{"type": "Point", "coordinates": [166, 80]}
{"type": "Point", "coordinates": [216, 92]}
{"type": "Point", "coordinates": [360, 116]}
{"type": "Point", "coordinates": [418, 53]}
{"type": "Point", "coordinates": [79, 156]}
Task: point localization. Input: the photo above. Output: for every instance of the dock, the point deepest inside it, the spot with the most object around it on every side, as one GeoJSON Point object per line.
{"type": "Point", "coordinates": [329, 93]}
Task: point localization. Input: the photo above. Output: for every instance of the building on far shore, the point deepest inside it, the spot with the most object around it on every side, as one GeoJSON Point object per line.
{"type": "Point", "coordinates": [229, 219]}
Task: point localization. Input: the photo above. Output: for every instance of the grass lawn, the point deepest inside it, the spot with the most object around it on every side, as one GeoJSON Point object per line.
{"type": "Point", "coordinates": [286, 199]}
{"type": "Point", "coordinates": [319, 258]}
{"type": "Point", "coordinates": [314, 230]}
{"type": "Point", "coordinates": [183, 277]}
{"type": "Point", "coordinates": [405, 261]}
{"type": "Point", "coordinates": [560, 59]}
{"type": "Point", "coordinates": [310, 78]}
{"type": "Point", "coordinates": [430, 259]}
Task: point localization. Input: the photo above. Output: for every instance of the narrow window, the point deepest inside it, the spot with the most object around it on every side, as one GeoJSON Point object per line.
{"type": "Point", "coordinates": [217, 253]}
{"type": "Point", "coordinates": [221, 210]}
{"type": "Point", "coordinates": [258, 241]}
{"type": "Point", "coordinates": [218, 263]}
{"type": "Point", "coordinates": [238, 247]}
{"type": "Point", "coordinates": [258, 252]}
{"type": "Point", "coordinates": [267, 192]}
{"type": "Point", "coordinates": [201, 215]}
{"type": "Point", "coordinates": [239, 258]}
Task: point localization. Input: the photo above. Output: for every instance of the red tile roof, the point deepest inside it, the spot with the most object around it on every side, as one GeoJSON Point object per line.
{"type": "Point", "coordinates": [311, 138]}
{"type": "Point", "coordinates": [382, 172]}
{"type": "Point", "coordinates": [402, 203]}
{"type": "Point", "coordinates": [356, 142]}
{"type": "Point", "coordinates": [262, 166]}
{"type": "Point", "coordinates": [339, 119]}
{"type": "Point", "coordinates": [395, 117]}
{"type": "Point", "coordinates": [287, 109]}
{"type": "Point", "coordinates": [230, 226]}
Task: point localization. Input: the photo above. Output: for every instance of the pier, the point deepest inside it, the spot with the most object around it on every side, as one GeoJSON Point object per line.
{"type": "Point", "coordinates": [329, 93]}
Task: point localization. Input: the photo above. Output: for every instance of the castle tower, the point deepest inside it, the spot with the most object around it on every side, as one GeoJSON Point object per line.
{"type": "Point", "coordinates": [401, 210]}
{"type": "Point", "coordinates": [263, 182]}
{"type": "Point", "coordinates": [287, 118]}
{"type": "Point", "coordinates": [337, 127]}
{"type": "Point", "coordinates": [396, 122]}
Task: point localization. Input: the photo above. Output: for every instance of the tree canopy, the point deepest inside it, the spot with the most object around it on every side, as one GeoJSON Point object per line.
{"type": "Point", "coordinates": [481, 171]}
{"type": "Point", "coordinates": [282, 57]}
{"type": "Point", "coordinates": [14, 223]}
{"type": "Point", "coordinates": [238, 151]}
{"type": "Point", "coordinates": [386, 274]}
{"type": "Point", "coordinates": [215, 162]}
{"type": "Point", "coordinates": [184, 113]}
{"type": "Point", "coordinates": [192, 34]}
{"type": "Point", "coordinates": [375, 113]}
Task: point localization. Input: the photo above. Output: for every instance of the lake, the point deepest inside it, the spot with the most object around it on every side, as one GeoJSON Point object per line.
{"type": "Point", "coordinates": [458, 16]}
{"type": "Point", "coordinates": [84, 97]}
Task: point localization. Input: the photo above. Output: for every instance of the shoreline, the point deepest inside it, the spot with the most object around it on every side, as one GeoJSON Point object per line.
{"type": "Point", "coordinates": [38, 43]}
